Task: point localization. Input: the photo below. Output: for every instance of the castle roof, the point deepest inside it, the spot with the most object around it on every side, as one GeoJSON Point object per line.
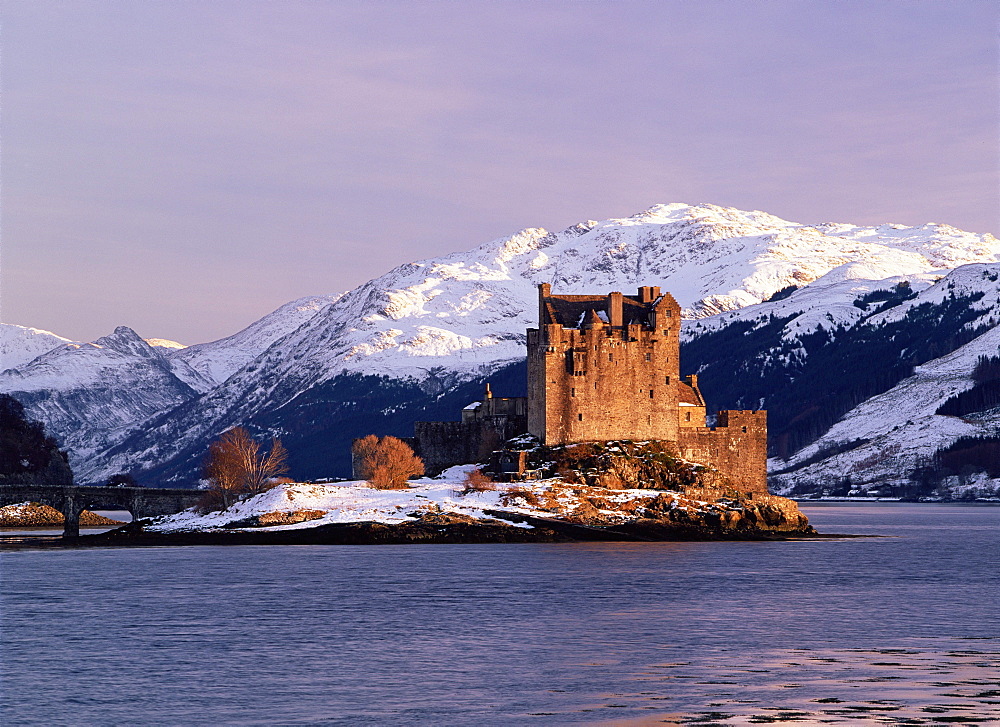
{"type": "Point", "coordinates": [592, 319]}
{"type": "Point", "coordinates": [571, 311]}
{"type": "Point", "coordinates": [686, 394]}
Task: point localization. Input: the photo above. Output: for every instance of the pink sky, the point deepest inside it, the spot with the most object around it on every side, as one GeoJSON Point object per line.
{"type": "Point", "coordinates": [186, 167]}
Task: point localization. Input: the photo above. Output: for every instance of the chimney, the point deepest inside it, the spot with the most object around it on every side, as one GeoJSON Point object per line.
{"type": "Point", "coordinates": [489, 394]}
{"type": "Point", "coordinates": [544, 291]}
{"type": "Point", "coordinates": [615, 309]}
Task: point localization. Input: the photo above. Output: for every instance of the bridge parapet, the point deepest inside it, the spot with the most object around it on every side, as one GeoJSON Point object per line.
{"type": "Point", "coordinates": [71, 500]}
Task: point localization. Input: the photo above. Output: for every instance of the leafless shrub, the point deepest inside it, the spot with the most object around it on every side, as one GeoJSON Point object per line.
{"type": "Point", "coordinates": [520, 493]}
{"type": "Point", "coordinates": [477, 481]}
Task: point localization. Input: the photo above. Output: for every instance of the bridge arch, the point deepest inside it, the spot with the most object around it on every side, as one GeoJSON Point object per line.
{"type": "Point", "coordinates": [72, 500]}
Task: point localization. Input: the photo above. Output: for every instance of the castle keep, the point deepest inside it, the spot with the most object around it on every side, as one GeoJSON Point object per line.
{"type": "Point", "coordinates": [603, 368]}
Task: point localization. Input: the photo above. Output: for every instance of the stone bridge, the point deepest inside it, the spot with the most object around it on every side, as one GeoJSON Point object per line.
{"type": "Point", "coordinates": [71, 500]}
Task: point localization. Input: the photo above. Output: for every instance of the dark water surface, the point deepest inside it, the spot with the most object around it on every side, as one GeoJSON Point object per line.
{"type": "Point", "coordinates": [897, 630]}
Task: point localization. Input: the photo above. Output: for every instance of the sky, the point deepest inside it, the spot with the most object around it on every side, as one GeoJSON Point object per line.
{"type": "Point", "coordinates": [185, 167]}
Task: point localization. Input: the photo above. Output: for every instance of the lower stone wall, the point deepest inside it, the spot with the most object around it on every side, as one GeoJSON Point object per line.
{"type": "Point", "coordinates": [737, 447]}
{"type": "Point", "coordinates": [445, 444]}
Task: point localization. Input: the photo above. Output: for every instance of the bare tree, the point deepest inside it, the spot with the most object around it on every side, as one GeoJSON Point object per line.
{"type": "Point", "coordinates": [236, 466]}
{"type": "Point", "coordinates": [386, 463]}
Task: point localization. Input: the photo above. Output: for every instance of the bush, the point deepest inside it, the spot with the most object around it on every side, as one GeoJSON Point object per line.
{"type": "Point", "coordinates": [520, 493]}
{"type": "Point", "coordinates": [386, 463]}
{"type": "Point", "coordinates": [477, 481]}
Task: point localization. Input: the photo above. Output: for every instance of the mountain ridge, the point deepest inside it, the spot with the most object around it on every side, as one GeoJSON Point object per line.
{"type": "Point", "coordinates": [435, 324]}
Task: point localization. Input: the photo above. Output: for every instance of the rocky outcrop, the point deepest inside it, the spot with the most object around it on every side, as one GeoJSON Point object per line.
{"type": "Point", "coordinates": [550, 512]}
{"type": "Point", "coordinates": [269, 519]}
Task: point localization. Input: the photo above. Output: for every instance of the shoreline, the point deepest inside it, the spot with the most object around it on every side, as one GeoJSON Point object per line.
{"type": "Point", "coordinates": [541, 530]}
{"type": "Point", "coordinates": [889, 501]}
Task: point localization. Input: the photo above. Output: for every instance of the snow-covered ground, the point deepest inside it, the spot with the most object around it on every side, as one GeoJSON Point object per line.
{"type": "Point", "coordinates": [349, 502]}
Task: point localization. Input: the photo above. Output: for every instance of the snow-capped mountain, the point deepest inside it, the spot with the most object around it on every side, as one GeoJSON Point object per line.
{"type": "Point", "coordinates": [164, 343]}
{"type": "Point", "coordinates": [886, 440]}
{"type": "Point", "coordinates": [469, 310]}
{"type": "Point", "coordinates": [87, 394]}
{"type": "Point", "coordinates": [415, 341]}
{"type": "Point", "coordinates": [20, 344]}
{"type": "Point", "coordinates": [218, 360]}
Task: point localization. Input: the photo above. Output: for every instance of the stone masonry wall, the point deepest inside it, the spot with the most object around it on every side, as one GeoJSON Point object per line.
{"type": "Point", "coordinates": [601, 382]}
{"type": "Point", "coordinates": [444, 444]}
{"type": "Point", "coordinates": [737, 447]}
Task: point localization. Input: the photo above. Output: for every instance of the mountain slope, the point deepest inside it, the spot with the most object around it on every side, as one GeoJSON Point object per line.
{"type": "Point", "coordinates": [218, 360]}
{"type": "Point", "coordinates": [852, 390]}
{"type": "Point", "coordinates": [20, 344]}
{"type": "Point", "coordinates": [89, 394]}
{"type": "Point", "coordinates": [409, 341]}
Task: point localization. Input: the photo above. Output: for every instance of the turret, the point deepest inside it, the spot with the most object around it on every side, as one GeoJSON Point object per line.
{"type": "Point", "coordinates": [544, 290]}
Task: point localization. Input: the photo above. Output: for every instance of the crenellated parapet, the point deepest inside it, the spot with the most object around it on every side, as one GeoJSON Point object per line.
{"type": "Point", "coordinates": [736, 446]}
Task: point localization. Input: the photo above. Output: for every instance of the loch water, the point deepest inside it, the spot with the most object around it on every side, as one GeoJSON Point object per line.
{"type": "Point", "coordinates": [901, 629]}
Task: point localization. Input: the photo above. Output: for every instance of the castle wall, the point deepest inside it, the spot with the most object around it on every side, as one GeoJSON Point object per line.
{"type": "Point", "coordinates": [444, 444]}
{"type": "Point", "coordinates": [737, 447]}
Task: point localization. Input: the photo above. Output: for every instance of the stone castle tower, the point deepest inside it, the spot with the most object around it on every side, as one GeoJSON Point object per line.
{"type": "Point", "coordinates": [606, 367]}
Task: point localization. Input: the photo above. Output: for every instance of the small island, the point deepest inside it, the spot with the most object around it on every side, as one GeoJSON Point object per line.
{"type": "Point", "coordinates": [445, 511]}
{"type": "Point", "coordinates": [611, 443]}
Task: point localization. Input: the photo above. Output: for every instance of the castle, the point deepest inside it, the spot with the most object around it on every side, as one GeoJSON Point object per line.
{"type": "Point", "coordinates": [605, 367]}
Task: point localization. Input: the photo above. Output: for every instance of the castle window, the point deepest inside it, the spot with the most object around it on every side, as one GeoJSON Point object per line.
{"type": "Point", "coordinates": [669, 313]}
{"type": "Point", "coordinates": [611, 357]}
{"type": "Point", "coordinates": [580, 417]}
{"type": "Point", "coordinates": [744, 430]}
{"type": "Point", "coordinates": [687, 416]}
{"type": "Point", "coordinates": [649, 357]}
{"type": "Point", "coordinates": [666, 380]}
{"type": "Point", "coordinates": [650, 393]}
{"type": "Point", "coordinates": [572, 392]}
{"type": "Point", "coordinates": [595, 385]}
{"type": "Point", "coordinates": [649, 419]}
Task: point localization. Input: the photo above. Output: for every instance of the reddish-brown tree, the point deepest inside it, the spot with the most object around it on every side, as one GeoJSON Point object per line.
{"type": "Point", "coordinates": [386, 463]}
{"type": "Point", "coordinates": [236, 466]}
